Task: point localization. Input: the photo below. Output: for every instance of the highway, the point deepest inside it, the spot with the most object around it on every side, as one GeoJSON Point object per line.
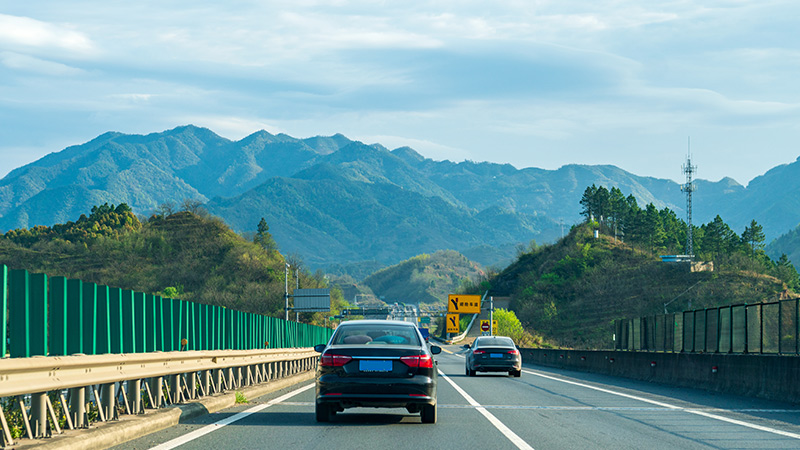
{"type": "Point", "coordinates": [543, 409]}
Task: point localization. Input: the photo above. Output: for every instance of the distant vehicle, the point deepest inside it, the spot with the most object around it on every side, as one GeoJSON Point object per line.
{"type": "Point", "coordinates": [376, 364]}
{"type": "Point", "coordinates": [426, 334]}
{"type": "Point", "coordinates": [493, 354]}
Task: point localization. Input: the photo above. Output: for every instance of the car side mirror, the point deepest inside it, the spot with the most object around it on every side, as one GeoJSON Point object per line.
{"type": "Point", "coordinates": [319, 348]}
{"type": "Point", "coordinates": [465, 345]}
{"type": "Point", "coordinates": [435, 349]}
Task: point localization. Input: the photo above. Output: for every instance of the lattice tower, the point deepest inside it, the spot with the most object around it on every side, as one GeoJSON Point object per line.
{"type": "Point", "coordinates": [688, 188]}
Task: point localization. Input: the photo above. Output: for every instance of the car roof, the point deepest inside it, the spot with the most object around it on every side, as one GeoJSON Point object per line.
{"type": "Point", "coordinates": [377, 322]}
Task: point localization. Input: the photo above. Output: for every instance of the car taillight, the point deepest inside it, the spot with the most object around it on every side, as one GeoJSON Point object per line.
{"type": "Point", "coordinates": [422, 361]}
{"type": "Point", "coordinates": [478, 352]}
{"type": "Point", "coordinates": [330, 360]}
{"type": "Point", "coordinates": [513, 352]}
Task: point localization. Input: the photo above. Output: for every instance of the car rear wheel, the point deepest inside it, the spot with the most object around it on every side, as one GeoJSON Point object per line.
{"type": "Point", "coordinates": [428, 414]}
{"type": "Point", "coordinates": [515, 373]}
{"type": "Point", "coordinates": [324, 412]}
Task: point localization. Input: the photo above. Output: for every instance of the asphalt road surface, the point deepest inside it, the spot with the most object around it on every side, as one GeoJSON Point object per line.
{"type": "Point", "coordinates": [543, 409]}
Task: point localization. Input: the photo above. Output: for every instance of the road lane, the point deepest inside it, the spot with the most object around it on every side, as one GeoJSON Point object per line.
{"type": "Point", "coordinates": [545, 408]}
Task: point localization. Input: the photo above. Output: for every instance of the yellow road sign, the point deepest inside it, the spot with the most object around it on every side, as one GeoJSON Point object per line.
{"type": "Point", "coordinates": [452, 323]}
{"type": "Point", "coordinates": [464, 304]}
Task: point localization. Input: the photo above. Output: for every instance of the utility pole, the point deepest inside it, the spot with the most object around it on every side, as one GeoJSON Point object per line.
{"type": "Point", "coordinates": [286, 290]}
{"type": "Point", "coordinates": [491, 316]}
{"type": "Point", "coordinates": [297, 286]}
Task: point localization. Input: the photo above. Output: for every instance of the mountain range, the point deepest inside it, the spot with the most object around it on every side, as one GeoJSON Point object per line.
{"type": "Point", "coordinates": [333, 200]}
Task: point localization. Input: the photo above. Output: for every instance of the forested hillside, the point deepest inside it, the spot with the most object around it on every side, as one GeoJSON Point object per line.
{"type": "Point", "coordinates": [424, 278]}
{"type": "Point", "coordinates": [186, 254]}
{"type": "Point", "coordinates": [572, 291]}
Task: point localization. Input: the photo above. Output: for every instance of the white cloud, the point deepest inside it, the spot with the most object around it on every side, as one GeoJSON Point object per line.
{"type": "Point", "coordinates": [23, 32]}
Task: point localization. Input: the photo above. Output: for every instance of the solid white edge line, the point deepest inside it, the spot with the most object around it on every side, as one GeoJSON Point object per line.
{"type": "Point", "coordinates": [227, 421]}
{"type": "Point", "coordinates": [667, 405]}
{"type": "Point", "coordinates": [516, 440]}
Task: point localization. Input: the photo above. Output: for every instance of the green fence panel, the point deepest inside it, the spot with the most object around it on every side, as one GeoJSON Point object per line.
{"type": "Point", "coordinates": [27, 311]}
{"type": "Point", "coordinates": [177, 324]}
{"type": "Point", "coordinates": [738, 329]}
{"type": "Point", "coordinates": [103, 320]}
{"type": "Point", "coordinates": [725, 330]}
{"type": "Point", "coordinates": [712, 330]}
{"type": "Point", "coordinates": [770, 328]}
{"type": "Point", "coordinates": [214, 324]}
{"type": "Point", "coordinates": [753, 328]}
{"type": "Point", "coordinates": [129, 325]}
{"type": "Point", "coordinates": [186, 324]}
{"type": "Point", "coordinates": [788, 342]}
{"type": "Point", "coordinates": [19, 313]}
{"type": "Point", "coordinates": [4, 310]}
{"type": "Point", "coordinates": [89, 314]}
{"type": "Point", "coordinates": [159, 322]}
{"type": "Point", "coordinates": [115, 320]}
{"type": "Point", "coordinates": [167, 337]}
{"type": "Point", "coordinates": [74, 318]}
{"type": "Point", "coordinates": [140, 315]}
{"type": "Point", "coordinates": [150, 322]}
{"type": "Point", "coordinates": [57, 304]}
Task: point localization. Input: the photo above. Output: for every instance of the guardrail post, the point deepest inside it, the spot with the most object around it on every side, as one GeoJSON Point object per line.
{"type": "Point", "coordinates": [77, 406]}
{"type": "Point", "coordinates": [135, 395]}
{"type": "Point", "coordinates": [108, 400]}
{"type": "Point", "coordinates": [157, 390]}
{"type": "Point", "coordinates": [39, 415]}
{"type": "Point", "coordinates": [175, 387]}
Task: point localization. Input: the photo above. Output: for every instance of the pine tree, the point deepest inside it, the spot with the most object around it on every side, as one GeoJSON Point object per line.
{"type": "Point", "coordinates": [264, 238]}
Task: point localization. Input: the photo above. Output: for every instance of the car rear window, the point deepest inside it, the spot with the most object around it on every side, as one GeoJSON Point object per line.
{"type": "Point", "coordinates": [375, 335]}
{"type": "Point", "coordinates": [494, 342]}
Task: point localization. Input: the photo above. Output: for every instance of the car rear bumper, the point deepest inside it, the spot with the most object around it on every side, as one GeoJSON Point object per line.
{"type": "Point", "coordinates": [497, 366]}
{"type": "Point", "coordinates": [374, 392]}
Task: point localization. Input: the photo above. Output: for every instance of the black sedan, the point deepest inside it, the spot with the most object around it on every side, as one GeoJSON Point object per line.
{"type": "Point", "coordinates": [376, 364]}
{"type": "Point", "coordinates": [493, 354]}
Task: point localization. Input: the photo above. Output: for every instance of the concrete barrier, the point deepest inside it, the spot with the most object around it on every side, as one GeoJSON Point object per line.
{"type": "Point", "coordinates": [766, 376]}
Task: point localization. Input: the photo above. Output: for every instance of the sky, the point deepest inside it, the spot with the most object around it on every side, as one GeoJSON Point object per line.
{"type": "Point", "coordinates": [532, 83]}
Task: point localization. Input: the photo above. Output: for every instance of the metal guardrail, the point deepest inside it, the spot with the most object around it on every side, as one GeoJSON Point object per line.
{"type": "Point", "coordinates": [760, 328]}
{"type": "Point", "coordinates": [71, 389]}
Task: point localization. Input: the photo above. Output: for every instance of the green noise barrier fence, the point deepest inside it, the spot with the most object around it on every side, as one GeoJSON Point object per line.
{"type": "Point", "coordinates": [55, 316]}
{"type": "Point", "coordinates": [760, 328]}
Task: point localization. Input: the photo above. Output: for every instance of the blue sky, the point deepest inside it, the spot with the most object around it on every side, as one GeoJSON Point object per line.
{"type": "Point", "coordinates": [534, 83]}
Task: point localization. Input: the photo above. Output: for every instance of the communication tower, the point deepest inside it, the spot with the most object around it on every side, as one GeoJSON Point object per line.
{"type": "Point", "coordinates": [688, 188]}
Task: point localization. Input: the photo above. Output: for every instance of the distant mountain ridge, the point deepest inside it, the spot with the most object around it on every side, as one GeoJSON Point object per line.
{"type": "Point", "coordinates": [335, 200]}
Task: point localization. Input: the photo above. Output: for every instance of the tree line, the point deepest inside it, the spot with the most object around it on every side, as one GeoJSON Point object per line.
{"type": "Point", "coordinates": [663, 232]}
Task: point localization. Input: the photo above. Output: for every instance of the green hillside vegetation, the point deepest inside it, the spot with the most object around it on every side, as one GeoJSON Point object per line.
{"type": "Point", "coordinates": [187, 255]}
{"type": "Point", "coordinates": [423, 279]}
{"type": "Point", "coordinates": [572, 291]}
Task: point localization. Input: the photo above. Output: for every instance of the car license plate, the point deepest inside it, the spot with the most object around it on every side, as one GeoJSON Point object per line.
{"type": "Point", "coordinates": [495, 355]}
{"type": "Point", "coordinates": [375, 365]}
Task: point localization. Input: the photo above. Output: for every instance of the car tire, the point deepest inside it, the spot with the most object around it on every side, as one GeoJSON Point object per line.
{"type": "Point", "coordinates": [472, 373]}
{"type": "Point", "coordinates": [516, 373]}
{"type": "Point", "coordinates": [428, 414]}
{"type": "Point", "coordinates": [466, 371]}
{"type": "Point", "coordinates": [324, 412]}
